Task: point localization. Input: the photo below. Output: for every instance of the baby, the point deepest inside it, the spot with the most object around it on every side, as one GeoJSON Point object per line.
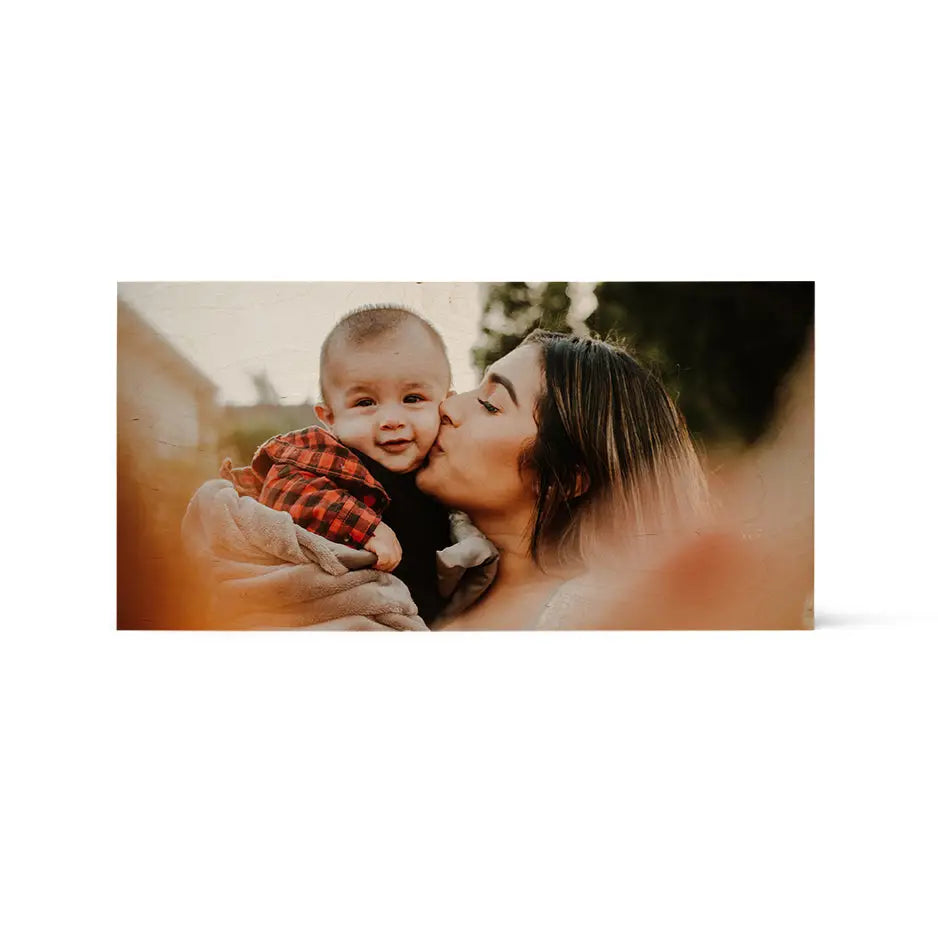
{"type": "Point", "coordinates": [383, 373]}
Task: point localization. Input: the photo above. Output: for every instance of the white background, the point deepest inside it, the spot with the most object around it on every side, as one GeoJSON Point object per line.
{"type": "Point", "coordinates": [560, 784]}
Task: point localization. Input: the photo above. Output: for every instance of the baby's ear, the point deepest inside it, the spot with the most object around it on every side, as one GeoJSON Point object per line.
{"type": "Point", "coordinates": [324, 414]}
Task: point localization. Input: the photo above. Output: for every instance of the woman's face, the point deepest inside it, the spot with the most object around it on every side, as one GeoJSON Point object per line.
{"type": "Point", "coordinates": [473, 465]}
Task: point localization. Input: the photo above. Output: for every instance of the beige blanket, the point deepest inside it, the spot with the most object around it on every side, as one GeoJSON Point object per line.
{"type": "Point", "coordinates": [264, 571]}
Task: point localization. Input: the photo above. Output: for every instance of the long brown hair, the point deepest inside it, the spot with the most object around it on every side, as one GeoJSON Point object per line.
{"type": "Point", "coordinates": [612, 453]}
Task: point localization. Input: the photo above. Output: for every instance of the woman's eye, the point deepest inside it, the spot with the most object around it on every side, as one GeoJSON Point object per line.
{"type": "Point", "coordinates": [414, 398]}
{"type": "Point", "coordinates": [364, 402]}
{"type": "Point", "coordinates": [491, 408]}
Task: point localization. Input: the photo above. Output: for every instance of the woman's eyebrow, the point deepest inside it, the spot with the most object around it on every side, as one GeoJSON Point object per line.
{"type": "Point", "coordinates": [496, 378]}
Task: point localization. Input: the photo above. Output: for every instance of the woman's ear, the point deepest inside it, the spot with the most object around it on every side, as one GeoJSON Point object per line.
{"type": "Point", "coordinates": [324, 414]}
{"type": "Point", "coordinates": [581, 485]}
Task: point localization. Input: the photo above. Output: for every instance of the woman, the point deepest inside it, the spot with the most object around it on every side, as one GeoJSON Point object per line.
{"type": "Point", "coordinates": [567, 454]}
{"type": "Point", "coordinates": [568, 450]}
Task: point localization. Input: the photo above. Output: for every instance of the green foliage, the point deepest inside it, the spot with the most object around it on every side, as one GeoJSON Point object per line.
{"type": "Point", "coordinates": [241, 443]}
{"type": "Point", "coordinates": [245, 428]}
{"type": "Point", "coordinates": [722, 349]}
{"type": "Point", "coordinates": [512, 310]}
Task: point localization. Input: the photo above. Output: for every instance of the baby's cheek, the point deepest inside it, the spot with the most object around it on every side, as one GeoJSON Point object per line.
{"type": "Point", "coordinates": [425, 431]}
{"type": "Point", "coordinates": [353, 431]}
{"type": "Point", "coordinates": [428, 426]}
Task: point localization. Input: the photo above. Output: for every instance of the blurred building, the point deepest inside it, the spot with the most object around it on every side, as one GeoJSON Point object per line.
{"type": "Point", "coordinates": [167, 444]}
{"type": "Point", "coordinates": [166, 407]}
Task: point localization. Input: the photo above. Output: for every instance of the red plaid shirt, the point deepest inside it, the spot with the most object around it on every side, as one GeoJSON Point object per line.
{"type": "Point", "coordinates": [322, 484]}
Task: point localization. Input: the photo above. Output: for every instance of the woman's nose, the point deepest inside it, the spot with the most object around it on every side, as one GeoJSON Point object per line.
{"type": "Point", "coordinates": [449, 410]}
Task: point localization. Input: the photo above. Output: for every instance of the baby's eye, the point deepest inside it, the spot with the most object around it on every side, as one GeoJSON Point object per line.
{"type": "Point", "coordinates": [414, 398]}
{"type": "Point", "coordinates": [364, 402]}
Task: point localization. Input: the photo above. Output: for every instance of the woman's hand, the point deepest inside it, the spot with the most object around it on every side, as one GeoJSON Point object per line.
{"type": "Point", "coordinates": [385, 544]}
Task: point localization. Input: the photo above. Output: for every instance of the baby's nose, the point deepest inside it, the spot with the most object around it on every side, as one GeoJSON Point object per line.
{"type": "Point", "coordinates": [392, 419]}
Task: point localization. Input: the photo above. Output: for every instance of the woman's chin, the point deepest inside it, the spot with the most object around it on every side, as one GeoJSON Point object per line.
{"type": "Point", "coordinates": [426, 476]}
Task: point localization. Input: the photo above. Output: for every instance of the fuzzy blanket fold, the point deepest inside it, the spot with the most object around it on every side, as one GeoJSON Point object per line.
{"type": "Point", "coordinates": [267, 572]}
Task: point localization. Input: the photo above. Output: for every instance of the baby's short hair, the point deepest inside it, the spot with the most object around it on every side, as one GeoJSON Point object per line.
{"type": "Point", "coordinates": [368, 322]}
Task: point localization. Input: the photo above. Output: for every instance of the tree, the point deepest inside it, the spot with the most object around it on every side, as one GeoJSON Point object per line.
{"type": "Point", "coordinates": [722, 349]}
{"type": "Point", "coordinates": [512, 310]}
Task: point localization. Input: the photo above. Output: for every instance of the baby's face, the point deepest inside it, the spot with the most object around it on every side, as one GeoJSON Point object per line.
{"type": "Point", "coordinates": [383, 398]}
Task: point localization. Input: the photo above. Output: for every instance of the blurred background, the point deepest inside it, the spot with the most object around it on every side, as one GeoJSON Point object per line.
{"type": "Point", "coordinates": [209, 370]}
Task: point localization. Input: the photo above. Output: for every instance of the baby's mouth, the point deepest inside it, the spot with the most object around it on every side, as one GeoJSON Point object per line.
{"type": "Point", "coordinates": [395, 446]}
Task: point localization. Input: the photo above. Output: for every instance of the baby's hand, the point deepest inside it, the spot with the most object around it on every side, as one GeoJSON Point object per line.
{"type": "Point", "coordinates": [384, 543]}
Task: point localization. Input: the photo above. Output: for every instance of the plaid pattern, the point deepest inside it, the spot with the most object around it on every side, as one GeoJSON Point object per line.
{"type": "Point", "coordinates": [322, 484]}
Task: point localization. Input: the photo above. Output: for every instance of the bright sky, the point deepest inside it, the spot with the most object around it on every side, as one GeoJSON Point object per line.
{"type": "Point", "coordinates": [231, 330]}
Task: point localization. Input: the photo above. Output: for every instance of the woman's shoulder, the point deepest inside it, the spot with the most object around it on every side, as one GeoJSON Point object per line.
{"type": "Point", "coordinates": [568, 606]}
